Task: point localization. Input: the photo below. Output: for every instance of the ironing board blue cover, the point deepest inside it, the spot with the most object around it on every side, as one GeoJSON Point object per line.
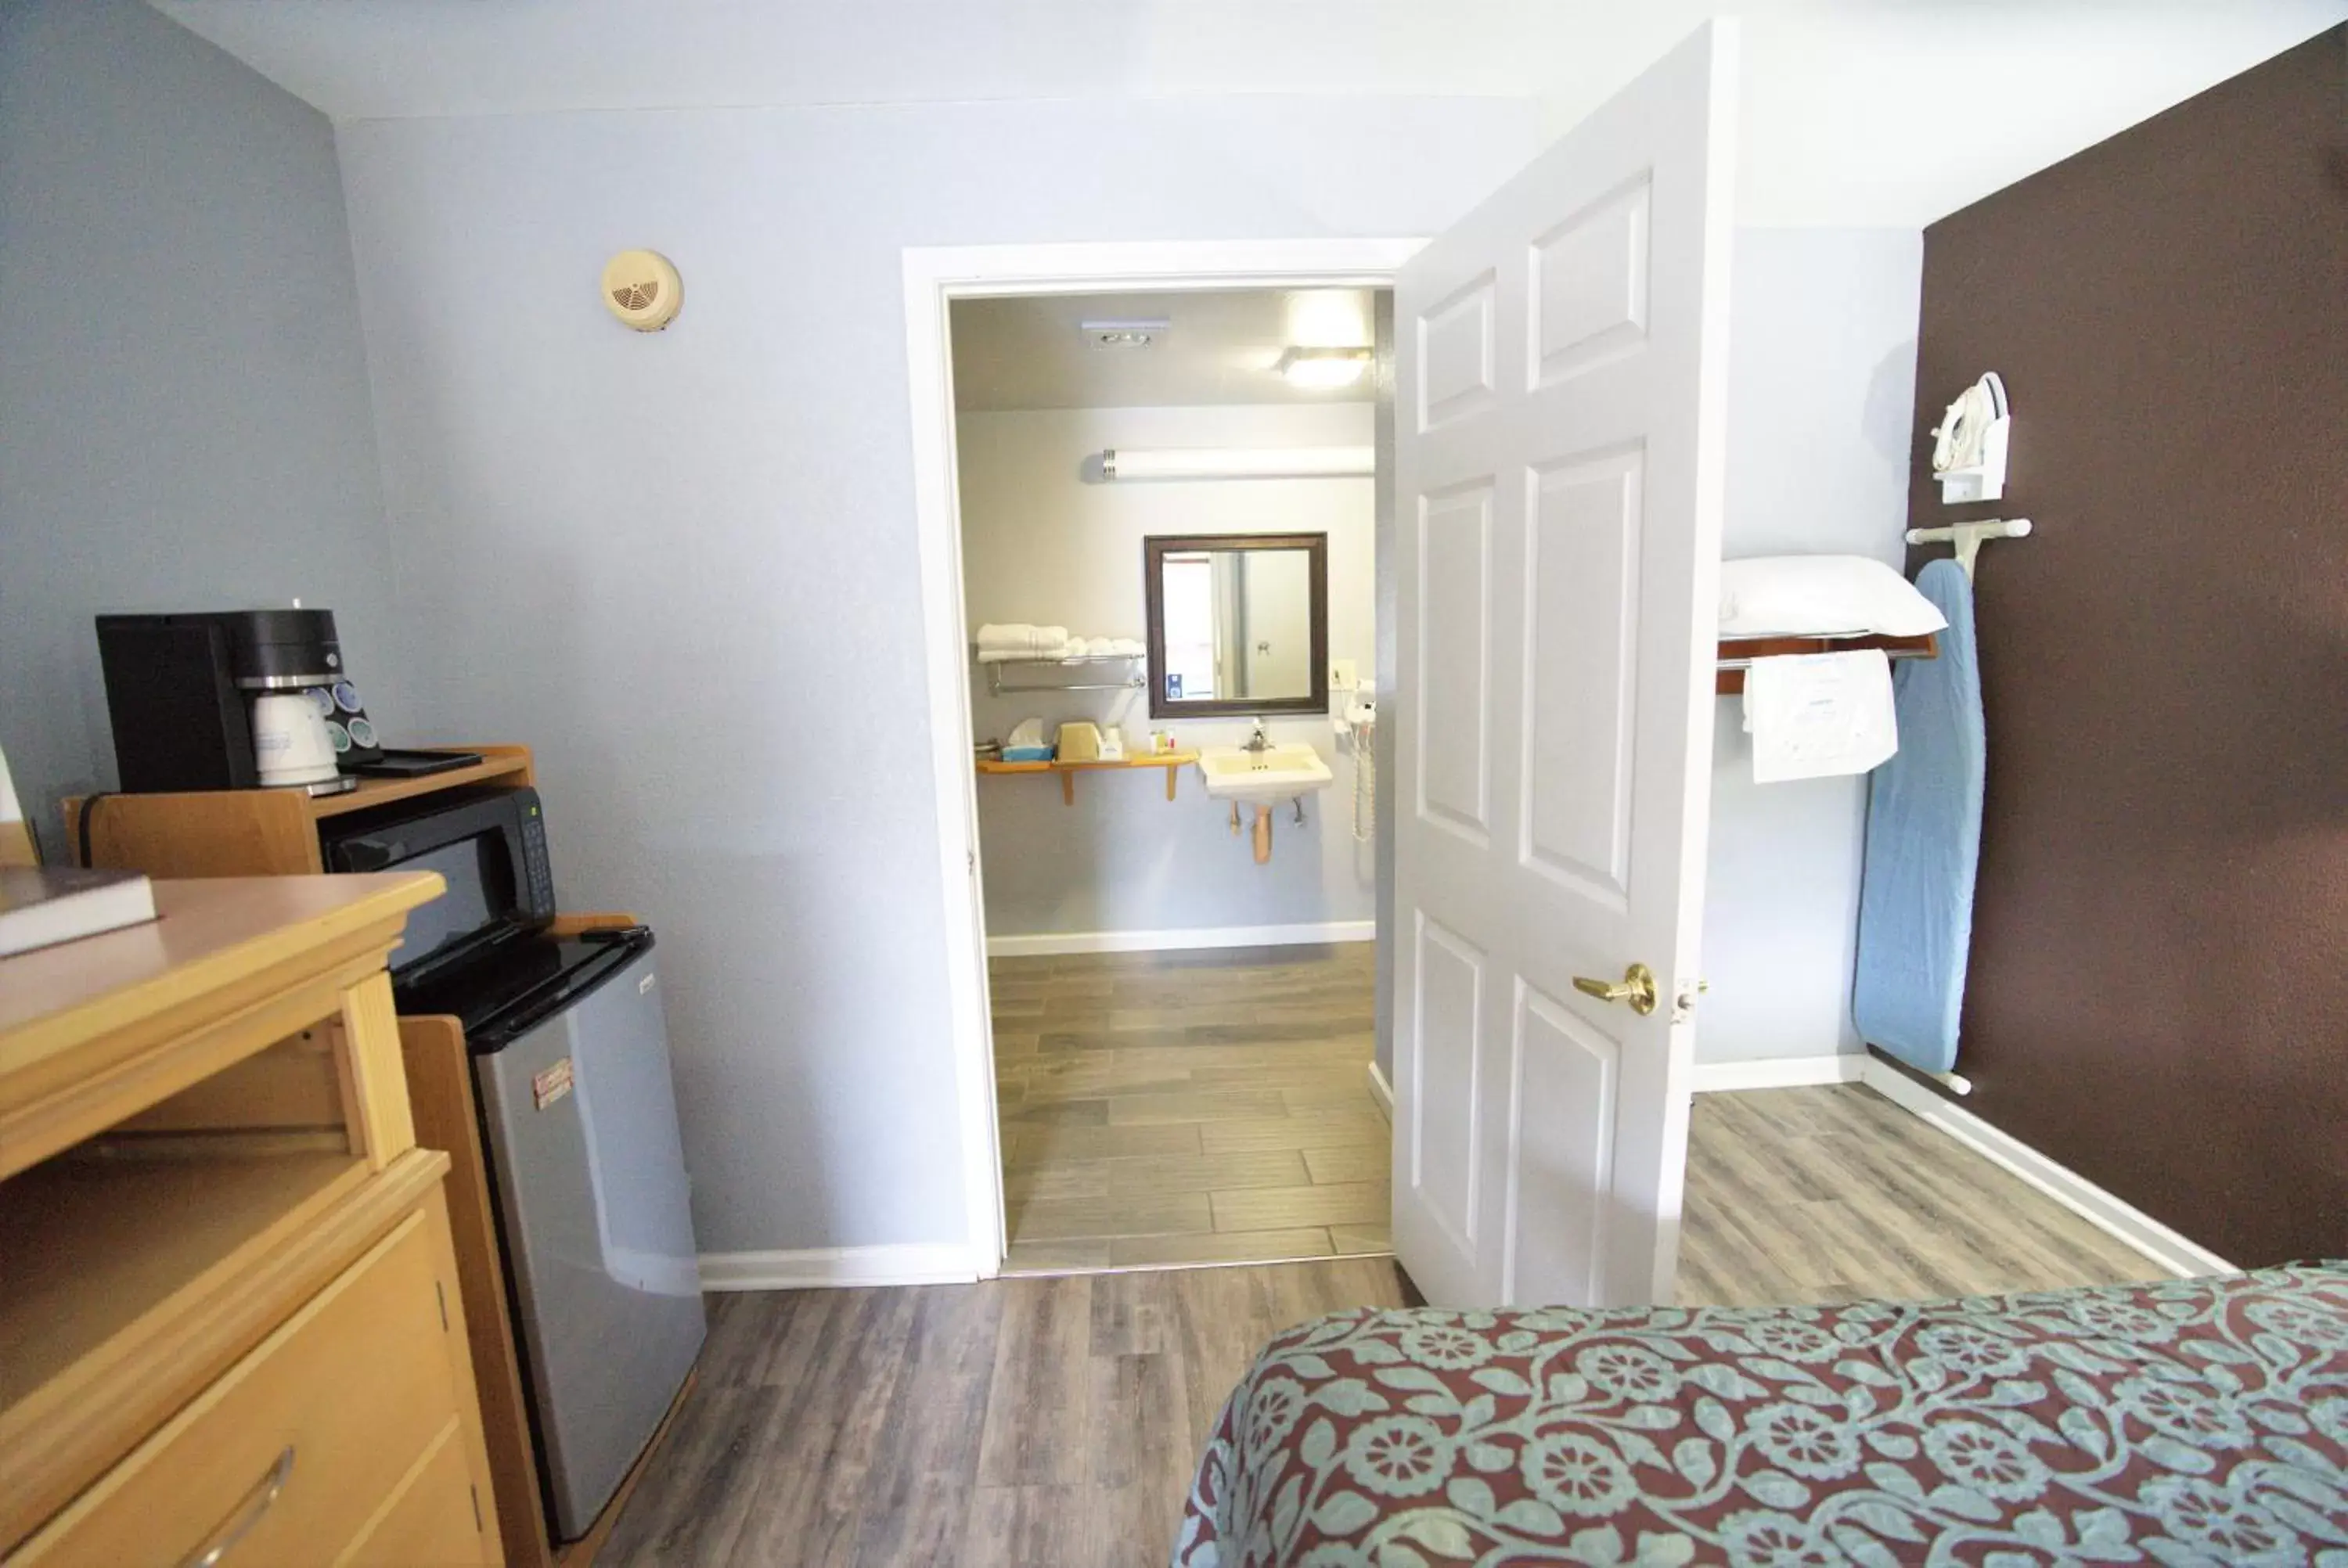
{"type": "Point", "coordinates": [1923, 845]}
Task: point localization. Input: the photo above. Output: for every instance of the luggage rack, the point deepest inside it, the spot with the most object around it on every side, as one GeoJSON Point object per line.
{"type": "Point", "coordinates": [1737, 653]}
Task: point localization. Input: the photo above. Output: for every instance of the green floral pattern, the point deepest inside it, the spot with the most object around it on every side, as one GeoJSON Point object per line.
{"type": "Point", "coordinates": [2184, 1422]}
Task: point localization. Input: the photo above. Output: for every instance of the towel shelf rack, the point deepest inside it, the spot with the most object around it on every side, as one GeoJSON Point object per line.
{"type": "Point", "coordinates": [995, 687]}
{"type": "Point", "coordinates": [1737, 654]}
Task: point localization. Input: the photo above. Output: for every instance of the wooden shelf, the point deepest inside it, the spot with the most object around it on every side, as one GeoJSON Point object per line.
{"type": "Point", "coordinates": [259, 832]}
{"type": "Point", "coordinates": [99, 1243]}
{"type": "Point", "coordinates": [1173, 761]}
{"type": "Point", "coordinates": [1736, 654]}
{"type": "Point", "coordinates": [497, 762]}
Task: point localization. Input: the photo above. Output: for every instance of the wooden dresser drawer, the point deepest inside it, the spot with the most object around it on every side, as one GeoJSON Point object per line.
{"type": "Point", "coordinates": [357, 1387]}
{"type": "Point", "coordinates": [431, 1524]}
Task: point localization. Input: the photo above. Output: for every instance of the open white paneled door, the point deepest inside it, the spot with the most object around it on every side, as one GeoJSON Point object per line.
{"type": "Point", "coordinates": [1562, 358]}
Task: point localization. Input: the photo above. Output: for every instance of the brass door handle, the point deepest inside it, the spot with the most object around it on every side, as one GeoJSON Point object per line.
{"type": "Point", "coordinates": [1636, 988]}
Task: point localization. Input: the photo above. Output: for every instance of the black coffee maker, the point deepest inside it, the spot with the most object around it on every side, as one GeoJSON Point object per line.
{"type": "Point", "coordinates": [179, 690]}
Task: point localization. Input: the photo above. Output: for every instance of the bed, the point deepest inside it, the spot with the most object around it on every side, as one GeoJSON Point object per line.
{"type": "Point", "coordinates": [2187, 1421]}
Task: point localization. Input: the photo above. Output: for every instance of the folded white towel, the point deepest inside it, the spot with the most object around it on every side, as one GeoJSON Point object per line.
{"type": "Point", "coordinates": [1098, 647]}
{"type": "Point", "coordinates": [1021, 637]}
{"type": "Point", "coordinates": [1127, 647]}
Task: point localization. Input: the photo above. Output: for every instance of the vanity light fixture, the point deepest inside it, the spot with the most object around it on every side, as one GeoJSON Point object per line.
{"type": "Point", "coordinates": [1238, 462]}
{"type": "Point", "coordinates": [1323, 369]}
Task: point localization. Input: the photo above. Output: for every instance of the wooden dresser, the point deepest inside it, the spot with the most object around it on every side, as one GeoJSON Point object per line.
{"type": "Point", "coordinates": [274, 832]}
{"type": "Point", "coordinates": [231, 1331]}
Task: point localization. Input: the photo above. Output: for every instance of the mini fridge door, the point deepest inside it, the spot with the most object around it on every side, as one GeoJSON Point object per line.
{"type": "Point", "coordinates": [580, 1117]}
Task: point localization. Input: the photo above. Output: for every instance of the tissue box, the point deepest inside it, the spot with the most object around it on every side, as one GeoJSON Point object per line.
{"type": "Point", "coordinates": [1026, 753]}
{"type": "Point", "coordinates": [1080, 741]}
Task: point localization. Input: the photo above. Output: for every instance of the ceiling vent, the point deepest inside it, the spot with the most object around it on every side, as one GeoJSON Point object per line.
{"type": "Point", "coordinates": [1126, 334]}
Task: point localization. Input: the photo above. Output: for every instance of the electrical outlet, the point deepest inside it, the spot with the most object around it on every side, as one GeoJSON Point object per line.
{"type": "Point", "coordinates": [1342, 675]}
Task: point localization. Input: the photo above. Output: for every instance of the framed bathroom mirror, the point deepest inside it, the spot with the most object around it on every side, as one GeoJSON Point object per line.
{"type": "Point", "coordinates": [1238, 623]}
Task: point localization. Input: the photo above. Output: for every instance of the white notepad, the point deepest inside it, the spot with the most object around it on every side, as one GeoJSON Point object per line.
{"type": "Point", "coordinates": [40, 908]}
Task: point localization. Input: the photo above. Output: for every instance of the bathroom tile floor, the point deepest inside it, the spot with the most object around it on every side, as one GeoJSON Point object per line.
{"type": "Point", "coordinates": [1208, 1106]}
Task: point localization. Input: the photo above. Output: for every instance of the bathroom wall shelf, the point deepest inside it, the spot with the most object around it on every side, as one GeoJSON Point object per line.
{"type": "Point", "coordinates": [1131, 681]}
{"type": "Point", "coordinates": [1737, 655]}
{"type": "Point", "coordinates": [1173, 761]}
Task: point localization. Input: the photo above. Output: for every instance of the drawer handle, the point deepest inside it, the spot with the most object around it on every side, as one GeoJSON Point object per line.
{"type": "Point", "coordinates": [246, 1514]}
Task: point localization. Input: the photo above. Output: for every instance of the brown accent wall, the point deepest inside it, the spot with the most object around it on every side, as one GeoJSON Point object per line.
{"type": "Point", "coordinates": [2158, 990]}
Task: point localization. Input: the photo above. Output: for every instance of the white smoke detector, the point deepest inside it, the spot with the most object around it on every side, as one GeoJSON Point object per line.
{"type": "Point", "coordinates": [643, 289]}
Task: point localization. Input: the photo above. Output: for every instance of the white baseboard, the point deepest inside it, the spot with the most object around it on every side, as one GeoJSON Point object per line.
{"type": "Point", "coordinates": [1382, 1090]}
{"type": "Point", "coordinates": [826, 1267]}
{"type": "Point", "coordinates": [1053, 942]}
{"type": "Point", "coordinates": [2171, 1251]}
{"type": "Point", "coordinates": [1778, 1072]}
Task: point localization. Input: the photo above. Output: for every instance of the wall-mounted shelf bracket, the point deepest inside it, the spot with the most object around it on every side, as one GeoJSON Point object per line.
{"type": "Point", "coordinates": [1967, 538]}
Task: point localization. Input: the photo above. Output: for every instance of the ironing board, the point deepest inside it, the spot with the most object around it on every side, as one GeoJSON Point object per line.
{"type": "Point", "coordinates": [1923, 845]}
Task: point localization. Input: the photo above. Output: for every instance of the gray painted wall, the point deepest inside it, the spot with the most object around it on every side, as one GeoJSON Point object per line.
{"type": "Point", "coordinates": [1044, 545]}
{"type": "Point", "coordinates": [683, 568]}
{"type": "Point", "coordinates": [184, 420]}
{"type": "Point", "coordinates": [1822, 373]}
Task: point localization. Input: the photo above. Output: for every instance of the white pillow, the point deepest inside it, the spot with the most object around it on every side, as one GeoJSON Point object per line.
{"type": "Point", "coordinates": [1821, 596]}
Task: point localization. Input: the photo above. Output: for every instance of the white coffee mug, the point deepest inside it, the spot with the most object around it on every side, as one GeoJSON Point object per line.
{"type": "Point", "coordinates": [290, 743]}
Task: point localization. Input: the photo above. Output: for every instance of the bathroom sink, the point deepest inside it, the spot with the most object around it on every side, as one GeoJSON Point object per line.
{"type": "Point", "coordinates": [1265, 777]}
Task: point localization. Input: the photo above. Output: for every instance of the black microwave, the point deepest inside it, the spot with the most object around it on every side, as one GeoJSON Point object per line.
{"type": "Point", "coordinates": [490, 846]}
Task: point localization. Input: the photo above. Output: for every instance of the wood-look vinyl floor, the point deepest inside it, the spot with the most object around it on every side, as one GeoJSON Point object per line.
{"type": "Point", "coordinates": [1166, 1109]}
{"type": "Point", "coordinates": [1055, 1421]}
{"type": "Point", "coordinates": [1837, 1194]}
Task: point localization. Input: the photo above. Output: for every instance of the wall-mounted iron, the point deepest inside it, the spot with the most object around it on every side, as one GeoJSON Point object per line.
{"type": "Point", "coordinates": [1969, 443]}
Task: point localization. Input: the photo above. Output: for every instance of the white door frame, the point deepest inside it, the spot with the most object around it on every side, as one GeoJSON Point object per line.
{"type": "Point", "coordinates": [934, 278]}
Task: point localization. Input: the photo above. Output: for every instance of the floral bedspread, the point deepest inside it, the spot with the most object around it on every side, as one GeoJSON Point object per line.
{"type": "Point", "coordinates": [2190, 1421]}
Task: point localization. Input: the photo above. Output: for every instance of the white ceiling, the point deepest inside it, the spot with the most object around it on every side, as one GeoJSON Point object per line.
{"type": "Point", "coordinates": [1855, 111]}
{"type": "Point", "coordinates": [1218, 348]}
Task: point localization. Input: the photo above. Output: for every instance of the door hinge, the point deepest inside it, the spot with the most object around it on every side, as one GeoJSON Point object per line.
{"type": "Point", "coordinates": [970, 862]}
{"type": "Point", "coordinates": [440, 1293]}
{"type": "Point", "coordinates": [478, 1527]}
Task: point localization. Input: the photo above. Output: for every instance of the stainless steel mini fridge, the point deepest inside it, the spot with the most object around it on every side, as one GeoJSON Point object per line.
{"type": "Point", "coordinates": [570, 1058]}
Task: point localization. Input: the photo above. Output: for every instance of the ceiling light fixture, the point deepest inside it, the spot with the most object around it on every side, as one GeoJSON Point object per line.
{"type": "Point", "coordinates": [1323, 369]}
{"type": "Point", "coordinates": [1124, 333]}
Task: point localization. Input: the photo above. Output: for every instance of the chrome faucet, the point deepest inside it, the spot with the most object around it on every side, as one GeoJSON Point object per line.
{"type": "Point", "coordinates": [1258, 743]}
